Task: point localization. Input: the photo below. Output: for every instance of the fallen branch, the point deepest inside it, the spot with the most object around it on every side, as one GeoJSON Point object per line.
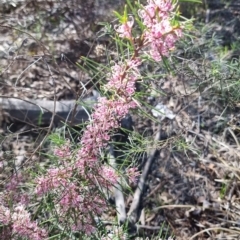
{"type": "Point", "coordinates": [39, 112]}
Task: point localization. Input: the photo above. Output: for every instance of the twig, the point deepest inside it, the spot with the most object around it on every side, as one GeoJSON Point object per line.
{"type": "Point", "coordinates": [27, 69]}
{"type": "Point", "coordinates": [160, 185]}
{"type": "Point", "coordinates": [214, 228]}
{"type": "Point", "coordinates": [45, 51]}
{"type": "Point", "coordinates": [199, 115]}
{"type": "Point", "coordinates": [148, 227]}
{"type": "Point", "coordinates": [207, 18]}
{"type": "Point", "coordinates": [133, 213]}
{"type": "Point", "coordinates": [52, 119]}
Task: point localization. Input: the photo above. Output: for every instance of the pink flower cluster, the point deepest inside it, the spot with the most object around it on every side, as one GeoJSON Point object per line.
{"type": "Point", "coordinates": [74, 201]}
{"type": "Point", "coordinates": [160, 34]}
{"type": "Point", "coordinates": [125, 30]}
{"type": "Point", "coordinates": [132, 174]}
{"type": "Point", "coordinates": [107, 115]}
{"type": "Point", "coordinates": [54, 179]}
{"type": "Point", "coordinates": [24, 227]}
{"type": "Point", "coordinates": [72, 195]}
{"type": "Point", "coordinates": [155, 11]}
{"type": "Point", "coordinates": [64, 151]}
{"type": "Point", "coordinates": [123, 78]}
{"type": "Point", "coordinates": [21, 224]}
{"type": "Point", "coordinates": [13, 189]}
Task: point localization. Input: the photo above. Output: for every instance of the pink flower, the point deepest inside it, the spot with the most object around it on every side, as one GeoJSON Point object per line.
{"type": "Point", "coordinates": [56, 178]}
{"type": "Point", "coordinates": [63, 151]}
{"type": "Point", "coordinates": [85, 227]}
{"type": "Point", "coordinates": [160, 29]}
{"type": "Point", "coordinates": [5, 215]}
{"type": "Point", "coordinates": [89, 229]}
{"type": "Point", "coordinates": [70, 198]}
{"type": "Point", "coordinates": [14, 182]}
{"type": "Point", "coordinates": [106, 117]}
{"type": "Point", "coordinates": [125, 30]}
{"type": "Point", "coordinates": [162, 5]}
{"type": "Point", "coordinates": [123, 78]}
{"type": "Point", "coordinates": [160, 35]}
{"type": "Point", "coordinates": [132, 174]}
{"type": "Point", "coordinates": [109, 175]}
{"type": "Point", "coordinates": [21, 224]}
{"type": "Point", "coordinates": [155, 10]}
{"type": "Point", "coordinates": [134, 64]}
{"type": "Point", "coordinates": [24, 199]}
{"type": "Point", "coordinates": [24, 227]}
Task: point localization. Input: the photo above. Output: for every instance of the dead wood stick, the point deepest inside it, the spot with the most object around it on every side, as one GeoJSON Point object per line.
{"type": "Point", "coordinates": [120, 204]}
{"type": "Point", "coordinates": [118, 194]}
{"type": "Point", "coordinates": [133, 213]}
{"type": "Point", "coordinates": [39, 112]}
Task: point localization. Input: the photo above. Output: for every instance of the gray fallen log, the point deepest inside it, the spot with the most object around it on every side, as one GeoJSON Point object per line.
{"type": "Point", "coordinates": [40, 112]}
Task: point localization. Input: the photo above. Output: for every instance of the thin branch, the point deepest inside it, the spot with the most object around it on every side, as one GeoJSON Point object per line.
{"type": "Point", "coordinates": [133, 213]}
{"type": "Point", "coordinates": [216, 229]}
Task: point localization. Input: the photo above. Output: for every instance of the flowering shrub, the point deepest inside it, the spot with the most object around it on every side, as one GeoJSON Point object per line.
{"type": "Point", "coordinates": [74, 184]}
{"type": "Point", "coordinates": [20, 224]}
